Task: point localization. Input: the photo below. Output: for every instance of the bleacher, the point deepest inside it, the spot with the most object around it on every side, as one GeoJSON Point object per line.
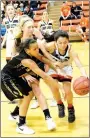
{"type": "Point", "coordinates": [38, 13]}
{"type": "Point", "coordinates": [70, 25]}
{"type": "Point", "coordinates": [66, 25]}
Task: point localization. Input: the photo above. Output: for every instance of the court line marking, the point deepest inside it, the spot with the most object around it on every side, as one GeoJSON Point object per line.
{"type": "Point", "coordinates": [50, 99]}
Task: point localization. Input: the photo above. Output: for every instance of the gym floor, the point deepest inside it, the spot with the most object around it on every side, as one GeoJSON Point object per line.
{"type": "Point", "coordinates": [35, 118]}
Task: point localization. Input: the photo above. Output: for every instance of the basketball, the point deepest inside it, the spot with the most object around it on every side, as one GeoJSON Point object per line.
{"type": "Point", "coordinates": [81, 86]}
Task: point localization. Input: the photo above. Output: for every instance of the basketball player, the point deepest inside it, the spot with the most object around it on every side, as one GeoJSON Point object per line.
{"type": "Point", "coordinates": [46, 27]}
{"type": "Point", "coordinates": [10, 21]}
{"type": "Point", "coordinates": [25, 30]}
{"type": "Point", "coordinates": [14, 87]}
{"type": "Point", "coordinates": [62, 52]}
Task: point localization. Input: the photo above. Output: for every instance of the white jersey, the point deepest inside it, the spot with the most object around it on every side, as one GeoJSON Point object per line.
{"type": "Point", "coordinates": [10, 24]}
{"type": "Point", "coordinates": [57, 56]}
{"type": "Point", "coordinates": [46, 27]}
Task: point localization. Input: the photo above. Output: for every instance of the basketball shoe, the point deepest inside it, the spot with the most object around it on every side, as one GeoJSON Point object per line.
{"type": "Point", "coordinates": [12, 117]}
{"type": "Point", "coordinates": [34, 105]}
{"type": "Point", "coordinates": [71, 114]}
{"type": "Point", "coordinates": [50, 123]}
{"type": "Point", "coordinates": [24, 129]}
{"type": "Point", "coordinates": [61, 110]}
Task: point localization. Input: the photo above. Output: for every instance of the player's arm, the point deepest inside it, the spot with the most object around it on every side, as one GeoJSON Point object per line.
{"type": "Point", "coordinates": [33, 66]}
{"type": "Point", "coordinates": [37, 33]}
{"type": "Point", "coordinates": [45, 60]}
{"type": "Point", "coordinates": [44, 48]}
{"type": "Point", "coordinates": [48, 48]}
{"type": "Point", "coordinates": [78, 63]}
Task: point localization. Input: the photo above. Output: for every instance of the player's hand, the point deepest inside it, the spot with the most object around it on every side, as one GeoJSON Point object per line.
{"type": "Point", "coordinates": [37, 33]}
{"type": "Point", "coordinates": [30, 79]}
{"type": "Point", "coordinates": [58, 64]}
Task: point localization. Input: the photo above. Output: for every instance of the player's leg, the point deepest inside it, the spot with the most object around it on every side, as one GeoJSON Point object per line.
{"type": "Point", "coordinates": [24, 88]}
{"type": "Point", "coordinates": [35, 104]}
{"type": "Point", "coordinates": [23, 108]}
{"type": "Point", "coordinates": [43, 104]}
{"type": "Point", "coordinates": [15, 113]}
{"type": "Point", "coordinates": [12, 91]}
{"type": "Point", "coordinates": [69, 98]}
{"type": "Point", "coordinates": [57, 97]}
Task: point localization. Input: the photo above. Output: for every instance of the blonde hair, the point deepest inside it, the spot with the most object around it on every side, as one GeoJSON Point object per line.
{"type": "Point", "coordinates": [18, 29]}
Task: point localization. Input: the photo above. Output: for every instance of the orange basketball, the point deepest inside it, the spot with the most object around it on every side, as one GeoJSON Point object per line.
{"type": "Point", "coordinates": [81, 85]}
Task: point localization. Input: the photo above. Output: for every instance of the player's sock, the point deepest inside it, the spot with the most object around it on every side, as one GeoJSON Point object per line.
{"type": "Point", "coordinates": [59, 102]}
{"type": "Point", "coordinates": [15, 112]}
{"type": "Point", "coordinates": [22, 120]}
{"type": "Point", "coordinates": [46, 114]}
{"type": "Point", "coordinates": [70, 105]}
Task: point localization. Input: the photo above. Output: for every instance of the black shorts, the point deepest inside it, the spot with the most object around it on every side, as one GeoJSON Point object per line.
{"type": "Point", "coordinates": [84, 29]}
{"type": "Point", "coordinates": [14, 88]}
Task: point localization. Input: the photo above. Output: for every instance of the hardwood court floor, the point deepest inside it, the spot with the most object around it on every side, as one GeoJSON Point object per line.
{"type": "Point", "coordinates": [35, 118]}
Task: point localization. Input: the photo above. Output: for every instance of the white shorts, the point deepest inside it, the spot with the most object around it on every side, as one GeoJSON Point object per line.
{"type": "Point", "coordinates": [68, 70]}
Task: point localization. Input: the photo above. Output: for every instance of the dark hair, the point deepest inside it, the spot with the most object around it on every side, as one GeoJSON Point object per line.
{"type": "Point", "coordinates": [60, 33]}
{"type": "Point", "coordinates": [25, 44]}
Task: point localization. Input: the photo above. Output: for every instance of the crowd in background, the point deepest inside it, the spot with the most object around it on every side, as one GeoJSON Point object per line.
{"type": "Point", "coordinates": [27, 7]}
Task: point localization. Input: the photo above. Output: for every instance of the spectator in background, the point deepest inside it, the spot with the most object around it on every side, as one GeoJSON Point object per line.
{"type": "Point", "coordinates": [83, 27]}
{"type": "Point", "coordinates": [75, 10]}
{"type": "Point", "coordinates": [28, 12]}
{"type": "Point", "coordinates": [26, 3]}
{"type": "Point", "coordinates": [22, 7]}
{"type": "Point", "coordinates": [34, 4]}
{"type": "Point", "coordinates": [3, 4]}
{"type": "Point", "coordinates": [65, 13]}
{"type": "Point", "coordinates": [19, 12]}
{"type": "Point", "coordinates": [46, 27]}
{"type": "Point", "coordinates": [16, 5]}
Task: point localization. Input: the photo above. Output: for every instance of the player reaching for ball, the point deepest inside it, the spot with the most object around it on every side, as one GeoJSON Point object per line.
{"type": "Point", "coordinates": [62, 52]}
